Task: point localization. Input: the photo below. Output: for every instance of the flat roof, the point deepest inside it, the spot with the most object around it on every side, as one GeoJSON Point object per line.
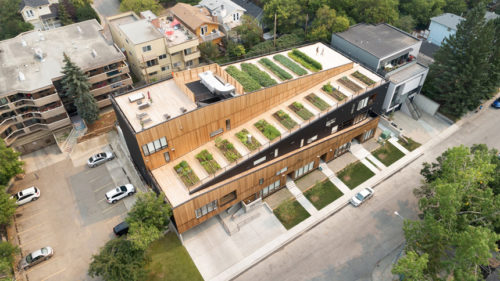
{"type": "Point", "coordinates": [379, 40]}
{"type": "Point", "coordinates": [407, 73]}
{"type": "Point", "coordinates": [140, 31]}
{"type": "Point", "coordinates": [18, 55]}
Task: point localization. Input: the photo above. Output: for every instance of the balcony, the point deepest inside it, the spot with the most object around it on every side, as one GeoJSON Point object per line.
{"type": "Point", "coordinates": [47, 99]}
{"type": "Point", "coordinates": [212, 36]}
{"type": "Point", "coordinates": [192, 56]}
{"type": "Point", "coordinates": [103, 103]}
{"type": "Point", "coordinates": [59, 124]}
{"type": "Point", "coordinates": [106, 88]}
{"type": "Point", "coordinates": [52, 111]}
{"type": "Point", "coordinates": [7, 122]}
{"type": "Point", "coordinates": [109, 74]}
{"type": "Point", "coordinates": [14, 135]}
{"type": "Point", "coordinates": [391, 69]}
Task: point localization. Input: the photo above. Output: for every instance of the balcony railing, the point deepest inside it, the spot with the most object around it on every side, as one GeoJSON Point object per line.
{"type": "Point", "coordinates": [212, 36]}
{"type": "Point", "coordinates": [388, 71]}
{"type": "Point", "coordinates": [109, 74]}
{"type": "Point", "coordinates": [191, 56]}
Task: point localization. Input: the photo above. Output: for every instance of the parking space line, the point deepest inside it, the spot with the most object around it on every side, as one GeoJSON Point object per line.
{"type": "Point", "coordinates": [94, 179]}
{"type": "Point", "coordinates": [30, 216]}
{"type": "Point", "coordinates": [30, 228]}
{"type": "Point", "coordinates": [109, 208]}
{"type": "Point", "coordinates": [44, 263]}
{"type": "Point", "coordinates": [100, 188]}
{"type": "Point", "coordinates": [53, 274]}
{"type": "Point", "coordinates": [101, 200]}
{"type": "Point", "coordinates": [24, 243]}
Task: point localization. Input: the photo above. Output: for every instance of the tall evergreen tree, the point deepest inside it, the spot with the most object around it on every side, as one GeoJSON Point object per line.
{"type": "Point", "coordinates": [76, 86]}
{"type": "Point", "coordinates": [465, 66]}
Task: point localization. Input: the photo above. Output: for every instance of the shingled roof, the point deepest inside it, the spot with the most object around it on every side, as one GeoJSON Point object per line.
{"type": "Point", "coordinates": [192, 17]}
{"type": "Point", "coordinates": [33, 3]}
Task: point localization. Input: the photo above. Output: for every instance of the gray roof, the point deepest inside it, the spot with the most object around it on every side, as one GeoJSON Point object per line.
{"type": "Point", "coordinates": [448, 20]}
{"type": "Point", "coordinates": [407, 72]}
{"type": "Point", "coordinates": [379, 40]}
{"type": "Point", "coordinates": [490, 15]}
{"type": "Point", "coordinates": [54, 12]}
{"type": "Point", "coordinates": [140, 31]}
{"type": "Point", "coordinates": [252, 9]}
{"type": "Point", "coordinates": [33, 3]}
{"type": "Point", "coordinates": [214, 6]}
{"type": "Point", "coordinates": [428, 49]}
{"type": "Point", "coordinates": [18, 55]}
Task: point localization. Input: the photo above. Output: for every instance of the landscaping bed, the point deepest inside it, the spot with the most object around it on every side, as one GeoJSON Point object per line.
{"type": "Point", "coordinates": [243, 137]}
{"type": "Point", "coordinates": [227, 149]}
{"type": "Point", "coordinates": [411, 145]}
{"type": "Point", "coordinates": [322, 194]}
{"type": "Point", "coordinates": [363, 78]}
{"type": "Point", "coordinates": [388, 154]}
{"type": "Point", "coordinates": [286, 62]}
{"type": "Point", "coordinates": [274, 68]}
{"type": "Point", "coordinates": [330, 90]}
{"type": "Point", "coordinates": [349, 84]}
{"type": "Point", "coordinates": [268, 130]}
{"type": "Point", "coordinates": [300, 110]}
{"type": "Point", "coordinates": [169, 260]}
{"type": "Point", "coordinates": [290, 213]}
{"type": "Point", "coordinates": [285, 119]}
{"type": "Point", "coordinates": [258, 75]}
{"type": "Point", "coordinates": [317, 101]}
{"type": "Point", "coordinates": [355, 174]}
{"type": "Point", "coordinates": [305, 60]}
{"type": "Point", "coordinates": [186, 173]}
{"type": "Point", "coordinates": [249, 85]}
{"type": "Point", "coordinates": [207, 161]}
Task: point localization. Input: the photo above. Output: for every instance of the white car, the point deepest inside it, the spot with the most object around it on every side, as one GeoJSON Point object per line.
{"type": "Point", "coordinates": [36, 257]}
{"type": "Point", "coordinates": [119, 192]}
{"type": "Point", "coordinates": [26, 195]}
{"type": "Point", "coordinates": [361, 197]}
{"type": "Point", "coordinates": [99, 158]}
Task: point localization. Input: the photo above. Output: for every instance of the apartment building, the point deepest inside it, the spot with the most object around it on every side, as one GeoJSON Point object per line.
{"type": "Point", "coordinates": [42, 14]}
{"type": "Point", "coordinates": [154, 46]}
{"type": "Point", "coordinates": [32, 106]}
{"type": "Point", "coordinates": [176, 128]}
{"type": "Point", "coordinates": [200, 21]}
{"type": "Point", "coordinates": [391, 53]}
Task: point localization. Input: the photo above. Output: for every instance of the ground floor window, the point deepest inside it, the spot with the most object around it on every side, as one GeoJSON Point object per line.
{"type": "Point", "coordinates": [210, 207]}
{"type": "Point", "coordinates": [368, 134]}
{"type": "Point", "coordinates": [303, 170]}
{"type": "Point", "coordinates": [270, 188]}
{"type": "Point", "coordinates": [228, 198]}
{"type": "Point", "coordinates": [342, 149]}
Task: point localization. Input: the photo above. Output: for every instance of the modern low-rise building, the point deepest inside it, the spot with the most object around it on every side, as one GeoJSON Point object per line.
{"type": "Point", "coordinates": [200, 139]}
{"type": "Point", "coordinates": [32, 102]}
{"type": "Point", "coordinates": [390, 52]}
{"type": "Point", "coordinates": [42, 14]}
{"type": "Point", "coordinates": [154, 46]}
{"type": "Point", "coordinates": [227, 13]}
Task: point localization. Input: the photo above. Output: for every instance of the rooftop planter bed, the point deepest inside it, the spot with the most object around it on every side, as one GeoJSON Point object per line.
{"type": "Point", "coordinates": [349, 84]}
{"type": "Point", "coordinates": [336, 94]}
{"type": "Point", "coordinates": [274, 68]}
{"type": "Point", "coordinates": [317, 101]}
{"type": "Point", "coordinates": [285, 119]}
{"type": "Point", "coordinates": [363, 78]}
{"type": "Point", "coordinates": [286, 62]}
{"type": "Point", "coordinates": [388, 154]}
{"type": "Point", "coordinates": [290, 213]}
{"type": "Point", "coordinates": [258, 75]}
{"type": "Point", "coordinates": [305, 60]}
{"type": "Point", "coordinates": [355, 174]}
{"type": "Point", "coordinates": [186, 173]}
{"type": "Point", "coordinates": [300, 110]}
{"type": "Point", "coordinates": [249, 85]}
{"type": "Point", "coordinates": [207, 161]}
{"type": "Point", "coordinates": [227, 149]}
{"type": "Point", "coordinates": [322, 194]}
{"type": "Point", "coordinates": [267, 129]}
{"type": "Point", "coordinates": [251, 144]}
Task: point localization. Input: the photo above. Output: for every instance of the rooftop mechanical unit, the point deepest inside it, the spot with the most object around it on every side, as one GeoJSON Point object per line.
{"type": "Point", "coordinates": [215, 85]}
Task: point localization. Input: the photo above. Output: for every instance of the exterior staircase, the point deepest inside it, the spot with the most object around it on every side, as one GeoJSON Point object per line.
{"type": "Point", "coordinates": [413, 109]}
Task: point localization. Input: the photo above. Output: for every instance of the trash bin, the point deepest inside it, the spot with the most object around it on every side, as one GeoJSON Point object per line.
{"type": "Point", "coordinates": [385, 135]}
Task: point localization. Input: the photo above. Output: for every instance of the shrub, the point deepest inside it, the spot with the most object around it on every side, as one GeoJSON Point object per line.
{"type": "Point", "coordinates": [227, 149]}
{"type": "Point", "coordinates": [285, 41]}
{"type": "Point", "coordinates": [267, 129]}
{"type": "Point", "coordinates": [280, 72]}
{"type": "Point", "coordinates": [243, 137]}
{"type": "Point", "coordinates": [328, 87]}
{"type": "Point", "coordinates": [207, 161]}
{"type": "Point", "coordinates": [305, 60]}
{"type": "Point", "coordinates": [363, 78]}
{"type": "Point", "coordinates": [186, 173]}
{"type": "Point", "coordinates": [258, 75]}
{"type": "Point", "coordinates": [290, 65]}
{"type": "Point", "coordinates": [336, 94]}
{"type": "Point", "coordinates": [249, 85]}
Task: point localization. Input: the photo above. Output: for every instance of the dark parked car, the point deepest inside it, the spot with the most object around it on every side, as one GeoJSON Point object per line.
{"type": "Point", "coordinates": [121, 229]}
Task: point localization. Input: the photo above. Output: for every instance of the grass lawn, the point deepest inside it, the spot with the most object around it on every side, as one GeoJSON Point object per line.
{"type": "Point", "coordinates": [169, 260]}
{"type": "Point", "coordinates": [322, 194]}
{"type": "Point", "coordinates": [411, 145]}
{"type": "Point", "coordinates": [355, 174]}
{"type": "Point", "coordinates": [388, 154]}
{"type": "Point", "coordinates": [290, 213]}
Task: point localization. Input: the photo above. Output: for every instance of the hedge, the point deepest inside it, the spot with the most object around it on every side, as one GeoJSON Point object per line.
{"type": "Point", "coordinates": [297, 69]}
{"type": "Point", "coordinates": [274, 68]}
{"type": "Point", "coordinates": [258, 75]}
{"type": "Point", "coordinates": [305, 60]}
{"type": "Point", "coordinates": [283, 42]}
{"type": "Point", "coordinates": [249, 85]}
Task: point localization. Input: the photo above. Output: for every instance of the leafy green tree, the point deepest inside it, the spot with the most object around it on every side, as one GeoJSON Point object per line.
{"type": "Point", "coordinates": [7, 251]}
{"type": "Point", "coordinates": [10, 165]}
{"type": "Point", "coordinates": [81, 3]}
{"type": "Point", "coordinates": [209, 50]}
{"type": "Point", "coordinates": [86, 12]}
{"type": "Point", "coordinates": [235, 50]}
{"type": "Point", "coordinates": [142, 234]}
{"type": "Point", "coordinates": [422, 10]}
{"type": "Point", "coordinates": [249, 31]}
{"type": "Point", "coordinates": [376, 11]}
{"type": "Point", "coordinates": [7, 207]}
{"type": "Point", "coordinates": [64, 17]}
{"type": "Point", "coordinates": [118, 260]}
{"type": "Point", "coordinates": [11, 22]}
{"type": "Point", "coordinates": [456, 7]}
{"type": "Point", "coordinates": [140, 5]}
{"type": "Point", "coordinates": [150, 209]}
{"type": "Point", "coordinates": [325, 23]}
{"type": "Point", "coordinates": [76, 86]}
{"type": "Point", "coordinates": [288, 14]}
{"type": "Point", "coordinates": [406, 23]}
{"type": "Point", "coordinates": [412, 267]}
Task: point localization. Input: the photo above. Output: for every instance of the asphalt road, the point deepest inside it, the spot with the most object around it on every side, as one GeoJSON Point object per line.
{"type": "Point", "coordinates": [348, 245]}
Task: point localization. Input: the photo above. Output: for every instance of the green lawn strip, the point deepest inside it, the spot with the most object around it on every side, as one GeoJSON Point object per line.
{"type": "Point", "coordinates": [186, 173]}
{"type": "Point", "coordinates": [169, 260]}
{"type": "Point", "coordinates": [300, 110]}
{"type": "Point", "coordinates": [355, 174]}
{"type": "Point", "coordinates": [330, 90]}
{"type": "Point", "coordinates": [227, 149]}
{"type": "Point", "coordinates": [285, 119]}
{"type": "Point", "coordinates": [258, 75]}
{"type": "Point", "coordinates": [388, 154]}
{"type": "Point", "coordinates": [371, 162]}
{"type": "Point", "coordinates": [290, 213]}
{"type": "Point", "coordinates": [286, 62]}
{"type": "Point", "coordinates": [363, 78]}
{"type": "Point", "coordinates": [267, 129]}
{"type": "Point", "coordinates": [317, 101]}
{"type": "Point", "coordinates": [323, 193]}
{"type": "Point", "coordinates": [249, 85]}
{"type": "Point", "coordinates": [207, 161]}
{"type": "Point", "coordinates": [349, 84]}
{"type": "Point", "coordinates": [305, 60]}
{"type": "Point", "coordinates": [411, 145]}
{"type": "Point", "coordinates": [274, 68]}
{"type": "Point", "coordinates": [243, 137]}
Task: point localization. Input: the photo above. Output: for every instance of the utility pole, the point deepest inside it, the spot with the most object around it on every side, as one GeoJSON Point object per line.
{"type": "Point", "coordinates": [305, 29]}
{"type": "Point", "coordinates": [275, 30]}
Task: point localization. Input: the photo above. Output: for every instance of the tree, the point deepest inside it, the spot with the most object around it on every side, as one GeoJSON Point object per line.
{"type": "Point", "coordinates": [150, 209]}
{"type": "Point", "coordinates": [64, 17]}
{"type": "Point", "coordinates": [412, 267]}
{"type": "Point", "coordinates": [81, 3]}
{"type": "Point", "coordinates": [422, 10]}
{"type": "Point", "coordinates": [142, 234]}
{"type": "Point", "coordinates": [76, 86]}
{"type": "Point", "coordinates": [118, 260]}
{"type": "Point", "coordinates": [325, 23]}
{"type": "Point", "coordinates": [11, 22]}
{"type": "Point", "coordinates": [288, 14]}
{"type": "Point", "coordinates": [406, 23]}
{"type": "Point", "coordinates": [209, 50]}
{"type": "Point", "coordinates": [7, 251]}
{"type": "Point", "coordinates": [457, 7]}
{"type": "Point", "coordinates": [10, 165]}
{"type": "Point", "coordinates": [376, 11]}
{"type": "Point", "coordinates": [140, 5]}
{"type": "Point", "coordinates": [235, 50]}
{"type": "Point", "coordinates": [86, 12]}
{"type": "Point", "coordinates": [7, 207]}
{"type": "Point", "coordinates": [249, 31]}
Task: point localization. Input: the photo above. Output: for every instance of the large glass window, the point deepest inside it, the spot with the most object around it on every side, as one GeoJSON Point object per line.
{"type": "Point", "coordinates": [146, 48]}
{"type": "Point", "coordinates": [154, 146]}
{"type": "Point", "coordinates": [270, 188]}
{"type": "Point", "coordinates": [303, 170]}
{"type": "Point", "coordinates": [210, 207]}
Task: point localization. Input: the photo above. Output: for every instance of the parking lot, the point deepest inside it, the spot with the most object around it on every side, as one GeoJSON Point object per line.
{"type": "Point", "coordinates": [71, 216]}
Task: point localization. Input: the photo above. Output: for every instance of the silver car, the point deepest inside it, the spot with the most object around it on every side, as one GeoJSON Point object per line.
{"type": "Point", "coordinates": [119, 192]}
{"type": "Point", "coordinates": [26, 195]}
{"type": "Point", "coordinates": [361, 197]}
{"type": "Point", "coordinates": [36, 257]}
{"type": "Point", "coordinates": [99, 158]}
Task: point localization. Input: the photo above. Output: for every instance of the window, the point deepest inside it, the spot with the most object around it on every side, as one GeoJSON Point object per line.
{"type": "Point", "coordinates": [302, 170]}
{"type": "Point", "coordinates": [270, 188]}
{"type": "Point", "coordinates": [236, 16]}
{"type": "Point", "coordinates": [362, 103]}
{"type": "Point", "coordinates": [261, 181]}
{"type": "Point", "coordinates": [334, 129]}
{"type": "Point", "coordinates": [29, 13]}
{"type": "Point", "coordinates": [330, 122]}
{"type": "Point", "coordinates": [152, 62]}
{"type": "Point", "coordinates": [342, 149]}
{"type": "Point", "coordinates": [203, 30]}
{"type": "Point", "coordinates": [177, 64]}
{"type": "Point", "coordinates": [301, 142]}
{"type": "Point", "coordinates": [258, 161]}
{"type": "Point", "coordinates": [189, 63]}
{"type": "Point", "coordinates": [164, 68]}
{"type": "Point", "coordinates": [153, 73]}
{"type": "Point", "coordinates": [214, 133]}
{"type": "Point", "coordinates": [276, 152]}
{"type": "Point", "coordinates": [164, 56]}
{"type": "Point", "coordinates": [228, 198]}
{"type": "Point", "coordinates": [188, 51]}
{"type": "Point", "coordinates": [167, 156]}
{"type": "Point", "coordinates": [228, 124]}
{"type": "Point", "coordinates": [146, 48]}
{"type": "Point", "coordinates": [311, 139]}
{"type": "Point", "coordinates": [281, 171]}
{"type": "Point", "coordinates": [360, 117]}
{"type": "Point", "coordinates": [210, 207]}
{"type": "Point", "coordinates": [154, 146]}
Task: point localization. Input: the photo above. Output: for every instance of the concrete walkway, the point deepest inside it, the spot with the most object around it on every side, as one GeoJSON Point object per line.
{"type": "Point", "coordinates": [361, 153]}
{"type": "Point", "coordinates": [369, 165]}
{"type": "Point", "coordinates": [394, 141]}
{"type": "Point", "coordinates": [333, 178]}
{"type": "Point", "coordinates": [290, 184]}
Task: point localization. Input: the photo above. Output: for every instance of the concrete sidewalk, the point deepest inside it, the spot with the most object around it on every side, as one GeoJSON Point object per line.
{"type": "Point", "coordinates": [290, 184]}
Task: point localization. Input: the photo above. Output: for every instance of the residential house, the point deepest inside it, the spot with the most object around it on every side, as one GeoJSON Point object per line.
{"type": "Point", "coordinates": [154, 46]}
{"type": "Point", "coordinates": [251, 9]}
{"type": "Point", "coordinates": [42, 14]}
{"type": "Point", "coordinates": [199, 21]}
{"type": "Point", "coordinates": [204, 111]}
{"type": "Point", "coordinates": [390, 52]}
{"type": "Point", "coordinates": [227, 13]}
{"type": "Point", "coordinates": [32, 101]}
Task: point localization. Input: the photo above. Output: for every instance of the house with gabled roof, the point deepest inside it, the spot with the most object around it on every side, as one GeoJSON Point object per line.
{"type": "Point", "coordinates": [199, 21]}
{"type": "Point", "coordinates": [227, 13]}
{"type": "Point", "coordinates": [42, 14]}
